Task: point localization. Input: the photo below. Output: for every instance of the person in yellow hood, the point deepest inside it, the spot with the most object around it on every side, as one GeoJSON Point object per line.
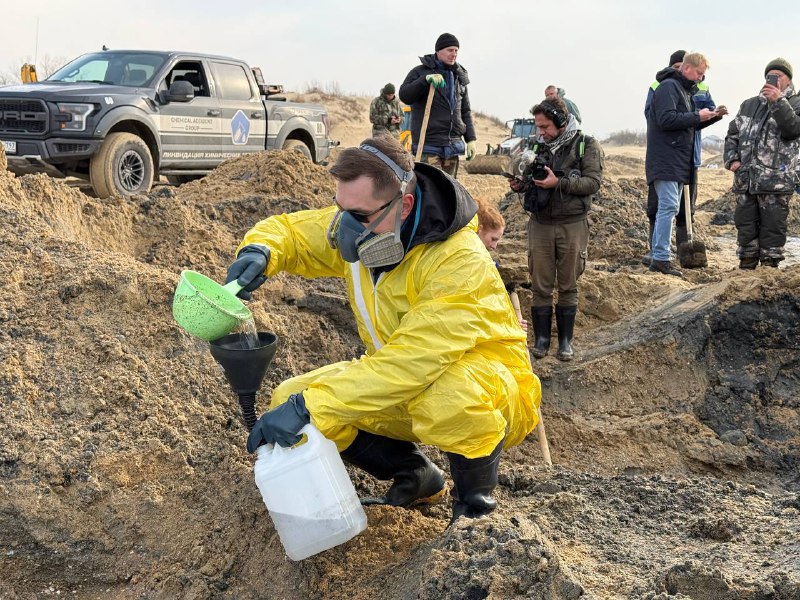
{"type": "Point", "coordinates": [446, 363]}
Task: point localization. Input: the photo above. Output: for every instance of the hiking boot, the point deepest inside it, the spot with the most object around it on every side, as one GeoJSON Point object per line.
{"type": "Point", "coordinates": [665, 267]}
{"type": "Point", "coordinates": [474, 480]}
{"type": "Point", "coordinates": [416, 479]}
{"type": "Point", "coordinates": [749, 263]}
{"type": "Point", "coordinates": [542, 323]}
{"type": "Point", "coordinates": [565, 321]}
{"type": "Point", "coordinates": [769, 262]}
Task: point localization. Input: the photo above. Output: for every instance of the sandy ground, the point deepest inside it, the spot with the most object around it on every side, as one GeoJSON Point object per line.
{"type": "Point", "coordinates": [123, 474]}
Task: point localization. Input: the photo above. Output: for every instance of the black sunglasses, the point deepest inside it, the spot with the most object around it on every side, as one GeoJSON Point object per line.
{"type": "Point", "coordinates": [362, 217]}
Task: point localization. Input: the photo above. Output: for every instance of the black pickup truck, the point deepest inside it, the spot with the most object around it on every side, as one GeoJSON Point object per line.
{"type": "Point", "coordinates": [120, 118]}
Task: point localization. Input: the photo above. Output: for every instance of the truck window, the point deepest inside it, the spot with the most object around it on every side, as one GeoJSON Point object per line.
{"type": "Point", "coordinates": [187, 70]}
{"type": "Point", "coordinates": [232, 82]}
{"type": "Point", "coordinates": [115, 68]}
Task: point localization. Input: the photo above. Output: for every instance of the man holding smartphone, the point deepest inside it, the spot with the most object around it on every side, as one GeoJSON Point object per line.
{"type": "Point", "coordinates": [669, 163]}
{"type": "Point", "coordinates": [761, 149]}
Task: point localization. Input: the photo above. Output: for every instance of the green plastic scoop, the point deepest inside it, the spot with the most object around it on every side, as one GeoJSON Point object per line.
{"type": "Point", "coordinates": [207, 309]}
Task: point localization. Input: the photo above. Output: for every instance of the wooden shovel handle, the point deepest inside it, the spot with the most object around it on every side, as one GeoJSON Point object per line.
{"type": "Point", "coordinates": [687, 209]}
{"type": "Point", "coordinates": [424, 127]}
{"type": "Point", "coordinates": [543, 445]}
{"type": "Point", "coordinates": [515, 303]}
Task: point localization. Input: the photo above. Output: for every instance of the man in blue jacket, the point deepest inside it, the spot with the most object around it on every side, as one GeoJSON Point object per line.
{"type": "Point", "coordinates": [451, 116]}
{"type": "Point", "coordinates": [702, 99]}
{"type": "Point", "coordinates": [669, 164]}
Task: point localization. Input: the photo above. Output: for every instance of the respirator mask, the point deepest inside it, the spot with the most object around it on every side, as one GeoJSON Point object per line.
{"type": "Point", "coordinates": [359, 243]}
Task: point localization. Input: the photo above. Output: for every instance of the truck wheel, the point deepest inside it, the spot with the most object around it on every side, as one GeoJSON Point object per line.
{"type": "Point", "coordinates": [123, 167]}
{"type": "Point", "coordinates": [298, 146]}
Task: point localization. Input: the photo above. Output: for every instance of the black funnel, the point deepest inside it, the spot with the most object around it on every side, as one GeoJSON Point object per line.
{"type": "Point", "coordinates": [245, 366]}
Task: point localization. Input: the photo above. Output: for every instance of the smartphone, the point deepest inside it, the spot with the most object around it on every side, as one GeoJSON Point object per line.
{"type": "Point", "coordinates": [772, 79]}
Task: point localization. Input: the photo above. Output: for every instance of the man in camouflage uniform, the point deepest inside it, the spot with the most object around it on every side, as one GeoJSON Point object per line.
{"type": "Point", "coordinates": [761, 149]}
{"type": "Point", "coordinates": [385, 113]}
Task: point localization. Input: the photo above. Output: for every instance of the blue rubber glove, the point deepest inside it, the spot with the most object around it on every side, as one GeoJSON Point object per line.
{"type": "Point", "coordinates": [435, 80]}
{"type": "Point", "coordinates": [248, 269]}
{"type": "Point", "coordinates": [281, 424]}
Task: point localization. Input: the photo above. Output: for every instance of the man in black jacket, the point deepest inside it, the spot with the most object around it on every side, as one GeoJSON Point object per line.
{"type": "Point", "coordinates": [451, 116]}
{"type": "Point", "coordinates": [669, 163]}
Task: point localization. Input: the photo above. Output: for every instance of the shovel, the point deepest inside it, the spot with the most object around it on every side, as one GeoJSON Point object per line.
{"type": "Point", "coordinates": [543, 445]}
{"type": "Point", "coordinates": [691, 253]}
{"type": "Point", "coordinates": [424, 128]}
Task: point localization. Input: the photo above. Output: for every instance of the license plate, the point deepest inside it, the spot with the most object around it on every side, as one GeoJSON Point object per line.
{"type": "Point", "coordinates": [10, 147]}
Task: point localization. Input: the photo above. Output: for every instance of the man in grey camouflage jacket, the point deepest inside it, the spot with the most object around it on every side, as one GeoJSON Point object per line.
{"type": "Point", "coordinates": [385, 112]}
{"type": "Point", "coordinates": [761, 149]}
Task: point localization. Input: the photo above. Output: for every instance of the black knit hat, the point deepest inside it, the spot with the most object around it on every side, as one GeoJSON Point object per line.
{"type": "Point", "coordinates": [781, 64]}
{"type": "Point", "coordinates": [446, 40]}
{"type": "Point", "coordinates": [676, 57]}
{"type": "Point", "coordinates": [388, 89]}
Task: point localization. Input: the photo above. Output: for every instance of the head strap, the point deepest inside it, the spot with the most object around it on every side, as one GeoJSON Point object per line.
{"type": "Point", "coordinates": [403, 175]}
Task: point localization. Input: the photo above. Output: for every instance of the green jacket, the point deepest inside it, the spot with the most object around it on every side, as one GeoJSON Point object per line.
{"type": "Point", "coordinates": [765, 138]}
{"type": "Point", "coordinates": [380, 113]}
{"type": "Point", "coordinates": [571, 199]}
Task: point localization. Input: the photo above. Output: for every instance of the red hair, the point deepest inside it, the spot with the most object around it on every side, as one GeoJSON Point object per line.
{"type": "Point", "coordinates": [488, 216]}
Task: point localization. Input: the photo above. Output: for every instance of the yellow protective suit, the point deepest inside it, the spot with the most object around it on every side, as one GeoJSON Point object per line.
{"type": "Point", "coordinates": [446, 362]}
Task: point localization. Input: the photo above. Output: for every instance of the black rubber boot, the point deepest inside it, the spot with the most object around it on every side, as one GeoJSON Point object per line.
{"type": "Point", "coordinates": [749, 263]}
{"type": "Point", "coordinates": [565, 321]}
{"type": "Point", "coordinates": [681, 235]}
{"type": "Point", "coordinates": [416, 479]}
{"type": "Point", "coordinates": [542, 324]}
{"type": "Point", "coordinates": [649, 256]}
{"type": "Point", "coordinates": [474, 480]}
{"type": "Point", "coordinates": [768, 262]}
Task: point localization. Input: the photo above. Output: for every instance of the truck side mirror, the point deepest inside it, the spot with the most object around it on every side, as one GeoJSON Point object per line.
{"type": "Point", "coordinates": [180, 91]}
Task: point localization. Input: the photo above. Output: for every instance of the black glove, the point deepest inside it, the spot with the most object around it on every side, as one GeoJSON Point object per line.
{"type": "Point", "coordinates": [248, 269]}
{"type": "Point", "coordinates": [281, 424]}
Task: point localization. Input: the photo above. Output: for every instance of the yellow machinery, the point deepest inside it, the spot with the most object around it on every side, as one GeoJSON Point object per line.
{"type": "Point", "coordinates": [507, 156]}
{"type": "Point", "coordinates": [28, 73]}
{"type": "Point", "coordinates": [405, 128]}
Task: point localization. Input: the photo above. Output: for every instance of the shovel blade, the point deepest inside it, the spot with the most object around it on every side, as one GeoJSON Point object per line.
{"type": "Point", "coordinates": [692, 254]}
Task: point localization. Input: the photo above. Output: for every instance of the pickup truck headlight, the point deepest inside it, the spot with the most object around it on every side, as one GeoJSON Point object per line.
{"type": "Point", "coordinates": [72, 117]}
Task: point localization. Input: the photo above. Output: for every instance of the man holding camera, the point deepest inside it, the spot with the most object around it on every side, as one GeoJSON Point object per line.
{"type": "Point", "coordinates": [385, 112]}
{"type": "Point", "coordinates": [558, 187]}
{"type": "Point", "coordinates": [761, 149]}
{"type": "Point", "coordinates": [450, 115]}
{"type": "Point", "coordinates": [669, 163]}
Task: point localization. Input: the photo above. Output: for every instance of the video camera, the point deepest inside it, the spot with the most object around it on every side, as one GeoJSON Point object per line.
{"type": "Point", "coordinates": [538, 165]}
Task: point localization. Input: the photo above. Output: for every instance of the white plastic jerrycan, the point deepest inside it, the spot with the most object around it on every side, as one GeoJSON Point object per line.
{"type": "Point", "coordinates": [309, 495]}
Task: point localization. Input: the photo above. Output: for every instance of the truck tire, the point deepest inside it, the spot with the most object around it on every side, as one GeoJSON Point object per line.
{"type": "Point", "coordinates": [123, 167]}
{"type": "Point", "coordinates": [298, 146]}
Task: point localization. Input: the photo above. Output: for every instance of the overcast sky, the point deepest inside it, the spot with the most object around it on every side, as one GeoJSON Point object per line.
{"type": "Point", "coordinates": [604, 53]}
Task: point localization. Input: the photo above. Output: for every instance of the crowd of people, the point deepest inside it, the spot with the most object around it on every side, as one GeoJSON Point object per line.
{"type": "Point", "coordinates": [446, 361]}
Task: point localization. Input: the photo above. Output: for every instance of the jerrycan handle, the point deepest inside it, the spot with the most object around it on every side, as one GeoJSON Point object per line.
{"type": "Point", "coordinates": [314, 439]}
{"type": "Point", "coordinates": [233, 287]}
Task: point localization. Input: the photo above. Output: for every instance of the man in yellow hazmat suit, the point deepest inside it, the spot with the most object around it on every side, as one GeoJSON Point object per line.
{"type": "Point", "coordinates": [446, 361]}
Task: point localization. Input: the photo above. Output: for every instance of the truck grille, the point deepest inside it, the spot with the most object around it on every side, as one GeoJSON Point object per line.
{"type": "Point", "coordinates": [22, 116]}
{"type": "Point", "coordinates": [71, 148]}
